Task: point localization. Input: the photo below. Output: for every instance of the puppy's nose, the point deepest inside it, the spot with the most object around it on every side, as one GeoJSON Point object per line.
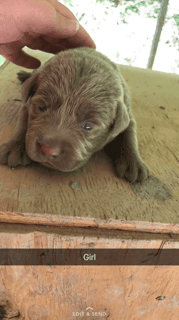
{"type": "Point", "coordinates": [50, 151]}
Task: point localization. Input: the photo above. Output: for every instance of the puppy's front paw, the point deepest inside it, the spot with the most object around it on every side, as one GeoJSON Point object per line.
{"type": "Point", "coordinates": [23, 75]}
{"type": "Point", "coordinates": [18, 156]}
{"type": "Point", "coordinates": [132, 168]}
{"type": "Point", "coordinates": [14, 155]}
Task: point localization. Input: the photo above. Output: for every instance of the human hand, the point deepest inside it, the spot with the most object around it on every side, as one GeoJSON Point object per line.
{"type": "Point", "coordinates": [40, 25]}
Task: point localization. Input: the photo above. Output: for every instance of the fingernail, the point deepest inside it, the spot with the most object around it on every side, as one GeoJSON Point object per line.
{"type": "Point", "coordinates": [74, 25]}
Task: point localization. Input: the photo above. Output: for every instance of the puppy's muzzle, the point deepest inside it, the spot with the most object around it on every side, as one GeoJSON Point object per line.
{"type": "Point", "coordinates": [49, 151]}
{"type": "Point", "coordinates": [57, 153]}
{"type": "Point", "coordinates": [49, 154]}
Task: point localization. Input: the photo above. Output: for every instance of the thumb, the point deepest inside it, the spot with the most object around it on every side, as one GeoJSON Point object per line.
{"type": "Point", "coordinates": [65, 27]}
{"type": "Point", "coordinates": [62, 28]}
{"type": "Point", "coordinates": [42, 18]}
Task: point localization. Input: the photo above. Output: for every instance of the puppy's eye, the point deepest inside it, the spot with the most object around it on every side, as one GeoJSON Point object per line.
{"type": "Point", "coordinates": [42, 108]}
{"type": "Point", "coordinates": [87, 126]}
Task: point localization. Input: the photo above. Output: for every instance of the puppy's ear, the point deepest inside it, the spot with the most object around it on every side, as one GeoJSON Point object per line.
{"type": "Point", "coordinates": [29, 87]}
{"type": "Point", "coordinates": [11, 149]}
{"type": "Point", "coordinates": [122, 119]}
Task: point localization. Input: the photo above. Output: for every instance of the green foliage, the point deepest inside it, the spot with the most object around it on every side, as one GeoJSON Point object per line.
{"type": "Point", "coordinates": [131, 8]}
{"type": "Point", "coordinates": [176, 17]}
{"type": "Point", "coordinates": [134, 6]}
{"type": "Point", "coordinates": [69, 2]}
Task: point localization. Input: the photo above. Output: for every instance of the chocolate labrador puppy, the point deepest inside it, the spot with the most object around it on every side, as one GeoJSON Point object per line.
{"type": "Point", "coordinates": [75, 104]}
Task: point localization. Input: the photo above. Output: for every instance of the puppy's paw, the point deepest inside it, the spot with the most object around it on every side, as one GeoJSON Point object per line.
{"type": "Point", "coordinates": [14, 156]}
{"type": "Point", "coordinates": [18, 157]}
{"type": "Point", "coordinates": [23, 75]}
{"type": "Point", "coordinates": [132, 168]}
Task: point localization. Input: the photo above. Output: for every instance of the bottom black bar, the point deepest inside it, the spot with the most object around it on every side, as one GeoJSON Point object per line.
{"type": "Point", "coordinates": [88, 257]}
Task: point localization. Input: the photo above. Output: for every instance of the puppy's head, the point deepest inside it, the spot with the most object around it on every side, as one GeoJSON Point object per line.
{"type": "Point", "coordinates": [75, 107]}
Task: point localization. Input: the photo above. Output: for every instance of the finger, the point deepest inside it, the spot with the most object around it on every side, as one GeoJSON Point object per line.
{"type": "Point", "coordinates": [52, 45]}
{"type": "Point", "coordinates": [22, 59]}
{"type": "Point", "coordinates": [81, 38]}
{"type": "Point", "coordinates": [40, 44]}
{"type": "Point", "coordinates": [35, 43]}
{"type": "Point", "coordinates": [42, 18]}
{"type": "Point", "coordinates": [52, 21]}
